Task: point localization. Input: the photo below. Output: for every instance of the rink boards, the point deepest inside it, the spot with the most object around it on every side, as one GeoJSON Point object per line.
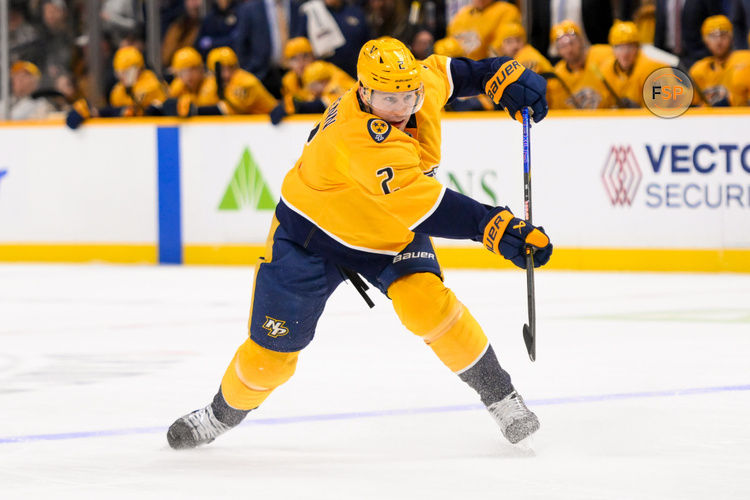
{"type": "Point", "coordinates": [615, 190]}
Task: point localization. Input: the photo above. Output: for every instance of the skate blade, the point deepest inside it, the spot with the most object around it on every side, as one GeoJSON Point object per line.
{"type": "Point", "coordinates": [525, 447]}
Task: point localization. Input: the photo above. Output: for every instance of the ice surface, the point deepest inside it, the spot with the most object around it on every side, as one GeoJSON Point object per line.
{"type": "Point", "coordinates": [642, 386]}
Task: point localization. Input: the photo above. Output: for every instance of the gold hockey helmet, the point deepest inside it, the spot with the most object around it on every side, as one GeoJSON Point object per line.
{"type": "Point", "coordinates": [297, 46]}
{"type": "Point", "coordinates": [222, 55]}
{"type": "Point", "coordinates": [388, 65]}
{"type": "Point", "coordinates": [186, 57]}
{"type": "Point", "coordinates": [623, 32]}
{"type": "Point", "coordinates": [127, 57]}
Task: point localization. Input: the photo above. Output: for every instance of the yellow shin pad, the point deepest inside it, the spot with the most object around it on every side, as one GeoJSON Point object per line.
{"type": "Point", "coordinates": [429, 309]}
{"type": "Point", "coordinates": [254, 373]}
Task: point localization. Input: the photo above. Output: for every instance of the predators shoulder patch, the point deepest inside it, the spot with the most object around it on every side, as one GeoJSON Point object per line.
{"type": "Point", "coordinates": [378, 129]}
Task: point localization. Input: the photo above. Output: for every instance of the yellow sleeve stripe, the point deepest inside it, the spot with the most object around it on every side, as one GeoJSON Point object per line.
{"type": "Point", "coordinates": [339, 240]}
{"type": "Point", "coordinates": [430, 211]}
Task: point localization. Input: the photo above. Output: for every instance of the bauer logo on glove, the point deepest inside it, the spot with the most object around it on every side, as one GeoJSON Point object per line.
{"type": "Point", "coordinates": [514, 88]}
{"type": "Point", "coordinates": [510, 236]}
{"type": "Point", "coordinates": [507, 74]}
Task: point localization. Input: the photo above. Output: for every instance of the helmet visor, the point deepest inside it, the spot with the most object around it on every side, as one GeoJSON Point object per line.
{"type": "Point", "coordinates": [395, 106]}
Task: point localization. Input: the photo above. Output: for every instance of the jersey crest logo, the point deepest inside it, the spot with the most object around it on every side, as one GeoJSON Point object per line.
{"type": "Point", "coordinates": [275, 327]}
{"type": "Point", "coordinates": [378, 129]}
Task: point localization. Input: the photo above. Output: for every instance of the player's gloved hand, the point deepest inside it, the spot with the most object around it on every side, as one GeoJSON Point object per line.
{"type": "Point", "coordinates": [514, 87]}
{"type": "Point", "coordinates": [181, 106]}
{"type": "Point", "coordinates": [278, 113]}
{"type": "Point", "coordinates": [78, 114]}
{"type": "Point", "coordinates": [509, 236]}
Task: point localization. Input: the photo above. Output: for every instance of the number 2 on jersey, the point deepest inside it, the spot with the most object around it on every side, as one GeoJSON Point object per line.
{"type": "Point", "coordinates": [388, 172]}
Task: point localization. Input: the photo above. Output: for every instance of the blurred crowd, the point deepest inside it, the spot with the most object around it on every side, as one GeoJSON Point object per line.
{"type": "Point", "coordinates": [281, 57]}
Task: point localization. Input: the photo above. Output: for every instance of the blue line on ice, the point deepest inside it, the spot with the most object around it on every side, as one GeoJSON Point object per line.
{"type": "Point", "coordinates": [385, 413]}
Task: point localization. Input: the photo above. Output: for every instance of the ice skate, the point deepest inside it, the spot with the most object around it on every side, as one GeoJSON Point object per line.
{"type": "Point", "coordinates": [195, 428]}
{"type": "Point", "coordinates": [516, 421]}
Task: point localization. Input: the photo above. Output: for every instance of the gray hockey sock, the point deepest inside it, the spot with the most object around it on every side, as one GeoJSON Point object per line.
{"type": "Point", "coordinates": [488, 378]}
{"type": "Point", "coordinates": [225, 413]}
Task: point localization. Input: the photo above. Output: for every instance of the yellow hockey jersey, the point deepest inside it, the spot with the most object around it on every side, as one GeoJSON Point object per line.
{"type": "Point", "coordinates": [361, 180]}
{"type": "Point", "coordinates": [207, 94]}
{"type": "Point", "coordinates": [475, 29]}
{"type": "Point", "coordinates": [585, 89]}
{"type": "Point", "coordinates": [629, 85]}
{"type": "Point", "coordinates": [146, 90]}
{"type": "Point", "coordinates": [244, 94]}
{"type": "Point", "coordinates": [715, 78]}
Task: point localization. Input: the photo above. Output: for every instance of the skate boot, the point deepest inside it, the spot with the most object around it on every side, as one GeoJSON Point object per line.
{"type": "Point", "coordinates": [516, 421]}
{"type": "Point", "coordinates": [195, 428]}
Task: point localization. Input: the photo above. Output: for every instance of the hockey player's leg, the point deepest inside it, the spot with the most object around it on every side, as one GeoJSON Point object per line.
{"type": "Point", "coordinates": [457, 339]}
{"type": "Point", "coordinates": [290, 290]}
{"type": "Point", "coordinates": [249, 379]}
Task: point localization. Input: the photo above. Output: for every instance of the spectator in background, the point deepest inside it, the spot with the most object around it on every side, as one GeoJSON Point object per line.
{"type": "Point", "coordinates": [263, 29]}
{"type": "Point", "coordinates": [421, 43]}
{"type": "Point", "coordinates": [475, 25]}
{"type": "Point", "coordinates": [24, 79]}
{"type": "Point", "coordinates": [57, 39]}
{"type": "Point", "coordinates": [510, 41]}
{"type": "Point", "coordinates": [217, 27]}
{"type": "Point", "coordinates": [23, 38]}
{"type": "Point", "coordinates": [119, 17]}
{"type": "Point", "coordinates": [678, 27]}
{"type": "Point", "coordinates": [169, 11]}
{"type": "Point", "coordinates": [388, 18]}
{"type": "Point", "coordinates": [183, 32]}
{"type": "Point", "coordinates": [345, 22]}
{"type": "Point", "coordinates": [593, 17]}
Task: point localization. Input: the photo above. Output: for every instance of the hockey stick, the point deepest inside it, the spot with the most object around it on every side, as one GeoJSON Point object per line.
{"type": "Point", "coordinates": [529, 330]}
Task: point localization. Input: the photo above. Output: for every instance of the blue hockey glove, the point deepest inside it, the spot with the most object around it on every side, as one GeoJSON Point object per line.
{"type": "Point", "coordinates": [78, 114]}
{"type": "Point", "coordinates": [278, 113]}
{"type": "Point", "coordinates": [509, 236]}
{"type": "Point", "coordinates": [514, 88]}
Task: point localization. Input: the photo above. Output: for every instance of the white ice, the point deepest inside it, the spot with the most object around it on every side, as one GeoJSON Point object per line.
{"type": "Point", "coordinates": [126, 350]}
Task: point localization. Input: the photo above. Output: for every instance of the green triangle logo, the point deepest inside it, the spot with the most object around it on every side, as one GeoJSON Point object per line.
{"type": "Point", "coordinates": [247, 188]}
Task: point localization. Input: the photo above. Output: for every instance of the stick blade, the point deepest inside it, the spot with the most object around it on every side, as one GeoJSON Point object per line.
{"type": "Point", "coordinates": [529, 339]}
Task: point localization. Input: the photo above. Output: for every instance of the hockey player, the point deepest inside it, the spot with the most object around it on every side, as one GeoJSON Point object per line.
{"type": "Point", "coordinates": [298, 55]}
{"type": "Point", "coordinates": [577, 83]}
{"type": "Point", "coordinates": [626, 71]}
{"type": "Point", "coordinates": [326, 82]}
{"type": "Point", "coordinates": [714, 74]}
{"type": "Point", "coordinates": [137, 88]}
{"type": "Point", "coordinates": [361, 201]}
{"type": "Point", "coordinates": [475, 25]}
{"type": "Point", "coordinates": [322, 83]}
{"type": "Point", "coordinates": [510, 41]}
{"type": "Point", "coordinates": [190, 79]}
{"type": "Point", "coordinates": [138, 92]}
